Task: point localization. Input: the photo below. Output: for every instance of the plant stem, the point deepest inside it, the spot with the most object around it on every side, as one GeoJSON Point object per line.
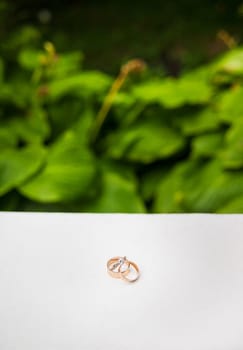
{"type": "Point", "coordinates": [103, 112]}
{"type": "Point", "coordinates": [133, 65]}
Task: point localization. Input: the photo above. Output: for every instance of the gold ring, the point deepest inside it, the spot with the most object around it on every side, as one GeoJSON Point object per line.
{"type": "Point", "coordinates": [121, 267]}
{"type": "Point", "coordinates": [117, 263]}
{"type": "Point", "coordinates": [136, 276]}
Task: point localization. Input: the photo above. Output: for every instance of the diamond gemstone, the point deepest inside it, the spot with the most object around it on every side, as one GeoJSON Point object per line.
{"type": "Point", "coordinates": [122, 260]}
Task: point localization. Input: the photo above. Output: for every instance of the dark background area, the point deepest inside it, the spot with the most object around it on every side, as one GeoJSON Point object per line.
{"type": "Point", "coordinates": [176, 35]}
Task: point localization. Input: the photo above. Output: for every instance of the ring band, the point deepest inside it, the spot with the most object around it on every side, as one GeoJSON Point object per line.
{"type": "Point", "coordinates": [121, 267]}
{"type": "Point", "coordinates": [124, 276]}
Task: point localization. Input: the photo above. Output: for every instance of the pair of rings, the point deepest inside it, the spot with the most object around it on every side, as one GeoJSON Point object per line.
{"type": "Point", "coordinates": [121, 267]}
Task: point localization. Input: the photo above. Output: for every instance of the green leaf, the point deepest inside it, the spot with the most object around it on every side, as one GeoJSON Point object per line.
{"type": "Point", "coordinates": [194, 123]}
{"type": "Point", "coordinates": [194, 90]}
{"type": "Point", "coordinates": [145, 141]}
{"type": "Point", "coordinates": [71, 114]}
{"type": "Point", "coordinates": [197, 186]}
{"type": "Point", "coordinates": [83, 126]}
{"type": "Point", "coordinates": [232, 154]}
{"type": "Point", "coordinates": [149, 181]}
{"type": "Point", "coordinates": [185, 185]}
{"type": "Point", "coordinates": [68, 63]}
{"type": "Point", "coordinates": [83, 84]}
{"type": "Point", "coordinates": [16, 166]}
{"type": "Point", "coordinates": [65, 64]}
{"type": "Point", "coordinates": [123, 99]}
{"type": "Point", "coordinates": [230, 105]}
{"type": "Point", "coordinates": [231, 62]}
{"type": "Point", "coordinates": [7, 138]}
{"type": "Point", "coordinates": [69, 174]}
{"type": "Point", "coordinates": [17, 93]}
{"type": "Point", "coordinates": [63, 114]}
{"type": "Point", "coordinates": [29, 58]}
{"type": "Point", "coordinates": [126, 108]}
{"type": "Point", "coordinates": [118, 192]}
{"type": "Point", "coordinates": [207, 145]}
{"type": "Point", "coordinates": [225, 188]}
{"type": "Point", "coordinates": [172, 93]}
{"type": "Point", "coordinates": [34, 128]}
{"type": "Point", "coordinates": [234, 206]}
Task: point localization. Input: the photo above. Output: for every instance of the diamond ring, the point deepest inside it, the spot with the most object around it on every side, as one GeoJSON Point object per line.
{"type": "Point", "coordinates": [121, 267]}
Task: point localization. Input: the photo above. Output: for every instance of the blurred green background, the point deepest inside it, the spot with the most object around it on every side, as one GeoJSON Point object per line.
{"type": "Point", "coordinates": [121, 106]}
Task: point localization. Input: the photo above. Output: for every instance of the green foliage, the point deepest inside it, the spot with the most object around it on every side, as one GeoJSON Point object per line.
{"type": "Point", "coordinates": [207, 145]}
{"type": "Point", "coordinates": [118, 191]}
{"type": "Point", "coordinates": [145, 141]}
{"type": "Point", "coordinates": [172, 93]}
{"type": "Point", "coordinates": [17, 166]}
{"type": "Point", "coordinates": [196, 122]}
{"type": "Point", "coordinates": [231, 62]}
{"type": "Point", "coordinates": [197, 186]}
{"type": "Point", "coordinates": [7, 138]}
{"type": "Point", "coordinates": [70, 170]}
{"type": "Point", "coordinates": [230, 105]}
{"type": "Point", "coordinates": [232, 154]}
{"type": "Point", "coordinates": [167, 145]}
{"type": "Point", "coordinates": [85, 84]}
{"type": "Point", "coordinates": [33, 128]}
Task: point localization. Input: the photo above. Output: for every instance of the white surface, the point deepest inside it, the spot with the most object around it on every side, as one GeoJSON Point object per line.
{"type": "Point", "coordinates": [55, 293]}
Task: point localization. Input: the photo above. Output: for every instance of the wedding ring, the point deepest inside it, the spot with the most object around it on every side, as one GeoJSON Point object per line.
{"type": "Point", "coordinates": [121, 267]}
{"type": "Point", "coordinates": [132, 279]}
{"type": "Point", "coordinates": [118, 263]}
